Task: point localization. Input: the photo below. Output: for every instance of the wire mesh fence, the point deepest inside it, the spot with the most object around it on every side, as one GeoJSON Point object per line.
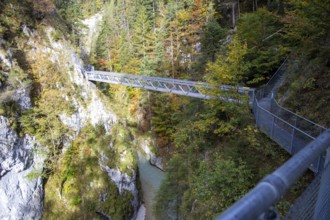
{"type": "Point", "coordinates": [309, 127]}
{"type": "Point", "coordinates": [322, 211]}
{"type": "Point", "coordinates": [303, 208]}
{"type": "Point", "coordinates": [289, 130]}
{"type": "Point", "coordinates": [314, 202]}
{"type": "Point", "coordinates": [293, 133]}
{"type": "Point", "coordinates": [288, 136]}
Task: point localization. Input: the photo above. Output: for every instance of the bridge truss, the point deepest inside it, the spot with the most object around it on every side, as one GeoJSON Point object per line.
{"type": "Point", "coordinates": [175, 86]}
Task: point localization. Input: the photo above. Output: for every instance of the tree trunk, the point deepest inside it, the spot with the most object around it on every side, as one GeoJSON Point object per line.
{"type": "Point", "coordinates": [238, 8]}
{"type": "Point", "coordinates": [233, 14]}
{"type": "Point", "coordinates": [280, 7]}
{"type": "Point", "coordinates": [154, 16]}
{"type": "Point", "coordinates": [172, 55]}
{"type": "Point", "coordinates": [255, 5]}
{"type": "Point", "coordinates": [268, 4]}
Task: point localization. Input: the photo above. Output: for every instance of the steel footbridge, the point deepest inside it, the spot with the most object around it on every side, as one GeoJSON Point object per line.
{"type": "Point", "coordinates": [168, 85]}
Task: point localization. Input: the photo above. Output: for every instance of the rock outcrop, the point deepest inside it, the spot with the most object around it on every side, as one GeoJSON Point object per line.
{"type": "Point", "coordinates": [153, 159]}
{"type": "Point", "coordinates": [123, 182]}
{"type": "Point", "coordinates": [21, 194]}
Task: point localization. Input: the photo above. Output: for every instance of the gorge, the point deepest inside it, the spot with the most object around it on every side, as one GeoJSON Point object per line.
{"type": "Point", "coordinates": [75, 149]}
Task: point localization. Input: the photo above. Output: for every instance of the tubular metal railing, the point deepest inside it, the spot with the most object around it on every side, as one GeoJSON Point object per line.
{"type": "Point", "coordinates": [300, 137]}
{"type": "Point", "coordinates": [270, 190]}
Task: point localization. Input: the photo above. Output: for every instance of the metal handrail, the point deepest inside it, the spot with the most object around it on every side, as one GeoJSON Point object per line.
{"type": "Point", "coordinates": [282, 120]}
{"type": "Point", "coordinates": [278, 105]}
{"type": "Point", "coordinates": [272, 187]}
{"type": "Point", "coordinates": [298, 116]}
{"type": "Point", "coordinates": [277, 71]}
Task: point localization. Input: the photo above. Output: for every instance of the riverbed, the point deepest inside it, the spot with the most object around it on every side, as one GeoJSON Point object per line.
{"type": "Point", "coordinates": [151, 178]}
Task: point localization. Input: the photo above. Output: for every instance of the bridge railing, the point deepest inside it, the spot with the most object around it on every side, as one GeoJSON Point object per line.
{"type": "Point", "coordinates": [258, 203]}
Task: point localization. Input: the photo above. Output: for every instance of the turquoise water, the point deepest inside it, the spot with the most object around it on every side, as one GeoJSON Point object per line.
{"type": "Point", "coordinates": [151, 178]}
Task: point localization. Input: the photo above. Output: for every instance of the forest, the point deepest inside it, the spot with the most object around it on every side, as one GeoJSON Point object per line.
{"type": "Point", "coordinates": [212, 151]}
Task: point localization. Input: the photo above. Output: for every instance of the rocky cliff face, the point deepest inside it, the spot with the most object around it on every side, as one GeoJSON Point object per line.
{"type": "Point", "coordinates": [20, 157]}
{"type": "Point", "coordinates": [123, 181]}
{"type": "Point", "coordinates": [21, 196]}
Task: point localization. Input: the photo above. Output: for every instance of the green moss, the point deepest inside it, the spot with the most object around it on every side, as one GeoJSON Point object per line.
{"type": "Point", "coordinates": [2, 110]}
{"type": "Point", "coordinates": [57, 35]}
{"type": "Point", "coordinates": [75, 200]}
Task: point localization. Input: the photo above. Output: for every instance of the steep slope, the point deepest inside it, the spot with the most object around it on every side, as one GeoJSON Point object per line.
{"type": "Point", "coordinates": [65, 138]}
{"type": "Point", "coordinates": [307, 90]}
{"type": "Point", "coordinates": [21, 196]}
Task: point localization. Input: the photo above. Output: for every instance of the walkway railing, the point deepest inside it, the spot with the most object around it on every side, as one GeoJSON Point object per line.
{"type": "Point", "coordinates": [289, 130]}
{"type": "Point", "coordinates": [257, 203]}
{"type": "Point", "coordinates": [308, 126]}
{"type": "Point", "coordinates": [291, 136]}
{"type": "Point", "coordinates": [307, 141]}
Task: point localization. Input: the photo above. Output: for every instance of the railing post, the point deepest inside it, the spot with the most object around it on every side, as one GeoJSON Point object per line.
{"type": "Point", "coordinates": [272, 130]}
{"type": "Point", "coordinates": [295, 121]}
{"type": "Point", "coordinates": [293, 134]}
{"type": "Point", "coordinates": [322, 211]}
{"type": "Point", "coordinates": [292, 137]}
{"type": "Point", "coordinates": [254, 104]}
{"type": "Point", "coordinates": [270, 214]}
{"type": "Point", "coordinates": [257, 116]}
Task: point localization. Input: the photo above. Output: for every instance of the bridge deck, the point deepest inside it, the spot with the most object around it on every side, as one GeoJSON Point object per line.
{"type": "Point", "coordinates": [175, 86]}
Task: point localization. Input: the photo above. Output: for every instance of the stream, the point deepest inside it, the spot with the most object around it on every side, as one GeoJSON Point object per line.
{"type": "Point", "coordinates": [151, 178]}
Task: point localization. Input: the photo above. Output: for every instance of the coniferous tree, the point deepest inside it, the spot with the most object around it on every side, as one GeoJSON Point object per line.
{"type": "Point", "coordinates": [262, 32]}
